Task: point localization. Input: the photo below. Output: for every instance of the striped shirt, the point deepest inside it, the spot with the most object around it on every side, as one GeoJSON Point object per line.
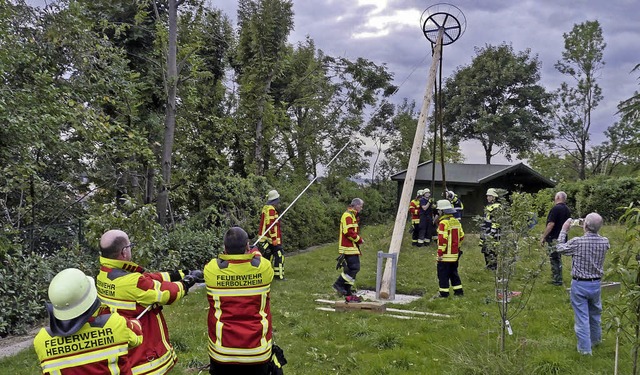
{"type": "Point", "coordinates": [587, 254]}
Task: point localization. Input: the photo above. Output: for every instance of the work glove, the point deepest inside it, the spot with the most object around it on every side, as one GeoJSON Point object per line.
{"type": "Point", "coordinates": [340, 261]}
{"type": "Point", "coordinates": [197, 275]}
{"type": "Point", "coordinates": [263, 246]}
{"type": "Point", "coordinates": [188, 282]}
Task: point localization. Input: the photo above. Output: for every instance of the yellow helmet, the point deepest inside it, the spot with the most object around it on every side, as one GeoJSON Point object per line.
{"type": "Point", "coordinates": [71, 293]}
{"type": "Point", "coordinates": [493, 192]}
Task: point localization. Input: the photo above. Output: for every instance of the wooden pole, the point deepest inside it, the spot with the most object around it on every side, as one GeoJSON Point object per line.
{"type": "Point", "coordinates": [407, 188]}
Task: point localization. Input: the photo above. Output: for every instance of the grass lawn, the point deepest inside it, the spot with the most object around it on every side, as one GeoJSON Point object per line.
{"type": "Point", "coordinates": [360, 342]}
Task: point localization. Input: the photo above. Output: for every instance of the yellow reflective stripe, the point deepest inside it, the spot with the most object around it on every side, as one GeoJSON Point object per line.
{"type": "Point", "coordinates": [218, 314]}
{"type": "Point", "coordinates": [118, 304]}
{"type": "Point", "coordinates": [264, 321]}
{"type": "Point", "coordinates": [157, 366]}
{"type": "Point", "coordinates": [223, 350]}
{"type": "Point", "coordinates": [264, 356]}
{"type": "Point", "coordinates": [237, 292]}
{"type": "Point", "coordinates": [113, 366]}
{"type": "Point", "coordinates": [84, 358]}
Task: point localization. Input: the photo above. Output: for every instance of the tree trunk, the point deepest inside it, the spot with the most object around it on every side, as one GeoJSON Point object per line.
{"type": "Point", "coordinates": [171, 82]}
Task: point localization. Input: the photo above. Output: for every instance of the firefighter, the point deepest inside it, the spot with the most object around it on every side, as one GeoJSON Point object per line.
{"type": "Point", "coordinates": [127, 287]}
{"type": "Point", "coordinates": [414, 211]}
{"type": "Point", "coordinates": [427, 230]}
{"type": "Point", "coordinates": [456, 203]}
{"type": "Point", "coordinates": [84, 336]}
{"type": "Point", "coordinates": [490, 230]}
{"type": "Point", "coordinates": [271, 243]}
{"type": "Point", "coordinates": [349, 251]}
{"type": "Point", "coordinates": [450, 237]}
{"type": "Point", "coordinates": [239, 320]}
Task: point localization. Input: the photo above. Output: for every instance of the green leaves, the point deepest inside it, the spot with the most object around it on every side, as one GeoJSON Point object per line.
{"type": "Point", "coordinates": [497, 101]}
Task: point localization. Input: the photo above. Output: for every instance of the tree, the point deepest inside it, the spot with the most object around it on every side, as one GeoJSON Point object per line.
{"type": "Point", "coordinates": [394, 130]}
{"type": "Point", "coordinates": [630, 108]}
{"type": "Point", "coordinates": [582, 61]}
{"type": "Point", "coordinates": [264, 28]}
{"type": "Point", "coordinates": [497, 100]}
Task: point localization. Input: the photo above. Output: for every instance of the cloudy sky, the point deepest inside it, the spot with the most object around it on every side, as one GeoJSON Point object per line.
{"type": "Point", "coordinates": [389, 32]}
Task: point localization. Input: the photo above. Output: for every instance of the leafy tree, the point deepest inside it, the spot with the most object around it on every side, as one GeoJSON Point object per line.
{"type": "Point", "coordinates": [582, 60]}
{"type": "Point", "coordinates": [630, 108]}
{"type": "Point", "coordinates": [396, 131]}
{"type": "Point", "coordinates": [552, 165]}
{"type": "Point", "coordinates": [497, 101]}
{"type": "Point", "coordinates": [264, 28]}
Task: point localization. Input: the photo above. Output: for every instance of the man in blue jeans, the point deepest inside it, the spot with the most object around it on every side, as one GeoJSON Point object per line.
{"type": "Point", "coordinates": [587, 267]}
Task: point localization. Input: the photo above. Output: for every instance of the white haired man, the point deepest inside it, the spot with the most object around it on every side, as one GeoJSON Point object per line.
{"type": "Point", "coordinates": [587, 268]}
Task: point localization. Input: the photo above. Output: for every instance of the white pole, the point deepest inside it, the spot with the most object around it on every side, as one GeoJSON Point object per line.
{"type": "Point", "coordinates": [405, 197]}
{"type": "Point", "coordinates": [299, 195]}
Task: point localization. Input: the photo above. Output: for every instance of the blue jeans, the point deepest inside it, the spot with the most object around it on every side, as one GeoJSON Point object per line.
{"type": "Point", "coordinates": [587, 307]}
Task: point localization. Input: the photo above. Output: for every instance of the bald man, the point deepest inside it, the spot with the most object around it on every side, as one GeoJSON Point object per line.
{"type": "Point", "coordinates": [133, 292]}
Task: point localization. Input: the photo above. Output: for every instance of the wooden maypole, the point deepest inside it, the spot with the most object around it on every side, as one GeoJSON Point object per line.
{"type": "Point", "coordinates": [410, 178]}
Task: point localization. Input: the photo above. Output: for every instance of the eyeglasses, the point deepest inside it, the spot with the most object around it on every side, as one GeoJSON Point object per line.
{"type": "Point", "coordinates": [130, 245]}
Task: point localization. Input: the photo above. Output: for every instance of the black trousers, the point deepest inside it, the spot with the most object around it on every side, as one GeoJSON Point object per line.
{"type": "Point", "coordinates": [217, 368]}
{"type": "Point", "coordinates": [448, 272]}
{"type": "Point", "coordinates": [350, 269]}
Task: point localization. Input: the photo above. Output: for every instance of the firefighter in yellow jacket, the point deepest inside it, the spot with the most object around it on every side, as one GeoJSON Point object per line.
{"type": "Point", "coordinates": [490, 230]}
{"type": "Point", "coordinates": [450, 236]}
{"type": "Point", "coordinates": [238, 290]}
{"type": "Point", "coordinates": [271, 242]}
{"type": "Point", "coordinates": [349, 250]}
{"type": "Point", "coordinates": [84, 336]}
{"type": "Point", "coordinates": [414, 211]}
{"type": "Point", "coordinates": [133, 292]}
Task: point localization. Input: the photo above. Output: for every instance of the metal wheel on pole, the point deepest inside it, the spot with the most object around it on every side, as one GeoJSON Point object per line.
{"type": "Point", "coordinates": [442, 24]}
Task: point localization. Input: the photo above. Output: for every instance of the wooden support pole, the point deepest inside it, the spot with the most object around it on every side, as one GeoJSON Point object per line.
{"type": "Point", "coordinates": [407, 188]}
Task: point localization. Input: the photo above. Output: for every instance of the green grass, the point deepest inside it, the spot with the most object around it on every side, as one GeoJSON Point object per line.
{"type": "Point", "coordinates": [319, 342]}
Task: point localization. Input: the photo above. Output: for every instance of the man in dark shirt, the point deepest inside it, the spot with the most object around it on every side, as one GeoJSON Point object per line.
{"type": "Point", "coordinates": [587, 267]}
{"type": "Point", "coordinates": [558, 214]}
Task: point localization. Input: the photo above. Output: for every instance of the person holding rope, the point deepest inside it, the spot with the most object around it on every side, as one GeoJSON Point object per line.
{"type": "Point", "coordinates": [450, 237]}
{"type": "Point", "coordinates": [426, 228]}
{"type": "Point", "coordinates": [349, 251]}
{"type": "Point", "coordinates": [239, 321]}
{"type": "Point", "coordinates": [271, 235]}
{"type": "Point", "coordinates": [135, 293]}
{"type": "Point", "coordinates": [84, 336]}
{"type": "Point", "coordinates": [414, 211]}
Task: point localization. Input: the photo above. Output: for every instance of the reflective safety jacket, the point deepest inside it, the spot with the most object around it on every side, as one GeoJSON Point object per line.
{"type": "Point", "coordinates": [349, 233]}
{"type": "Point", "coordinates": [267, 217]}
{"type": "Point", "coordinates": [239, 321]}
{"type": "Point", "coordinates": [100, 346]}
{"type": "Point", "coordinates": [450, 236]}
{"type": "Point", "coordinates": [125, 286]}
{"type": "Point", "coordinates": [414, 210]}
{"type": "Point", "coordinates": [459, 207]}
{"type": "Point", "coordinates": [489, 225]}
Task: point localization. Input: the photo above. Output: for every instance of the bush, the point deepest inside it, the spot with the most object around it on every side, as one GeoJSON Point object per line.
{"type": "Point", "coordinates": [603, 195]}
